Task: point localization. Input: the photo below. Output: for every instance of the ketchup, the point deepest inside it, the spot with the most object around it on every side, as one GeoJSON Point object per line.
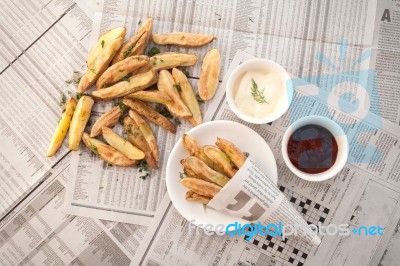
{"type": "Point", "coordinates": [312, 149]}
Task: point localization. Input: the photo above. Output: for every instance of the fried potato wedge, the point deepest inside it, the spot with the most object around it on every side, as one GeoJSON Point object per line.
{"type": "Point", "coordinates": [122, 88]}
{"type": "Point", "coordinates": [136, 137]}
{"type": "Point", "coordinates": [99, 65]}
{"type": "Point", "coordinates": [170, 60]}
{"type": "Point", "coordinates": [121, 69]}
{"type": "Point", "coordinates": [103, 41]}
{"type": "Point", "coordinates": [151, 114]}
{"type": "Point", "coordinates": [137, 43]}
{"type": "Point", "coordinates": [121, 144]}
{"type": "Point", "coordinates": [62, 127]}
{"type": "Point", "coordinates": [107, 119]}
{"type": "Point", "coordinates": [220, 159]}
{"type": "Point", "coordinates": [154, 96]}
{"type": "Point", "coordinates": [201, 187]}
{"type": "Point", "coordinates": [106, 152]}
{"type": "Point", "coordinates": [203, 171]}
{"type": "Point", "coordinates": [183, 39]}
{"type": "Point", "coordinates": [79, 121]}
{"type": "Point", "coordinates": [237, 157]}
{"type": "Point", "coordinates": [147, 133]}
{"type": "Point", "coordinates": [193, 196]}
{"type": "Point", "coordinates": [187, 94]}
{"type": "Point", "coordinates": [194, 149]}
{"type": "Point", "coordinates": [167, 84]}
{"type": "Point", "coordinates": [210, 69]}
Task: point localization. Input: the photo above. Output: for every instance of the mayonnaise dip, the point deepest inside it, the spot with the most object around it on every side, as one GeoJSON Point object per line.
{"type": "Point", "coordinates": [261, 97]}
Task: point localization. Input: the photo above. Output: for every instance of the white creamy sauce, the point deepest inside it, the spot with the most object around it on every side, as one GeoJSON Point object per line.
{"type": "Point", "coordinates": [270, 89]}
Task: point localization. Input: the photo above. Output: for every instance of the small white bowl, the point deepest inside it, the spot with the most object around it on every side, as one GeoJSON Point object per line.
{"type": "Point", "coordinates": [261, 65]}
{"type": "Point", "coordinates": [340, 138]}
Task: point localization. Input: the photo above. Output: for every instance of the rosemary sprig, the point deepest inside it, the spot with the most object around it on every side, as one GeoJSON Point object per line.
{"type": "Point", "coordinates": [258, 95]}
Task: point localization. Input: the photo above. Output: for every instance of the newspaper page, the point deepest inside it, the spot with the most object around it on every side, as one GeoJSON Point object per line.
{"type": "Point", "coordinates": [42, 45]}
{"type": "Point", "coordinates": [260, 28]}
{"type": "Point", "coordinates": [362, 194]}
{"type": "Point", "coordinates": [38, 231]}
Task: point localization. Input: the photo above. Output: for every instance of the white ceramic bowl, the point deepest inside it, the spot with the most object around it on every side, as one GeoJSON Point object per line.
{"type": "Point", "coordinates": [206, 134]}
{"type": "Point", "coordinates": [261, 65]}
{"type": "Point", "coordinates": [336, 131]}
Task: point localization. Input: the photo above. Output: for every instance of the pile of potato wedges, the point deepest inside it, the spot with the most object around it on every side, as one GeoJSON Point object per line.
{"type": "Point", "coordinates": [209, 168]}
{"type": "Point", "coordinates": [119, 71]}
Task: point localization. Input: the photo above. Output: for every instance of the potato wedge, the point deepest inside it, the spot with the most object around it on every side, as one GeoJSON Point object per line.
{"type": "Point", "coordinates": [136, 137]}
{"type": "Point", "coordinates": [99, 65]}
{"type": "Point", "coordinates": [147, 133]}
{"type": "Point", "coordinates": [220, 159]}
{"type": "Point", "coordinates": [170, 60]}
{"type": "Point", "coordinates": [103, 41]}
{"type": "Point", "coordinates": [210, 69]}
{"type": "Point", "coordinates": [79, 121]}
{"type": "Point", "coordinates": [121, 69]}
{"type": "Point", "coordinates": [194, 149]}
{"type": "Point", "coordinates": [193, 196]}
{"type": "Point", "coordinates": [183, 39]}
{"type": "Point", "coordinates": [201, 187]}
{"type": "Point", "coordinates": [106, 152]}
{"type": "Point", "coordinates": [187, 94]}
{"type": "Point", "coordinates": [137, 43]}
{"type": "Point", "coordinates": [121, 144]}
{"type": "Point", "coordinates": [108, 119]}
{"type": "Point", "coordinates": [151, 114]}
{"type": "Point", "coordinates": [122, 88]}
{"type": "Point", "coordinates": [167, 84]}
{"type": "Point", "coordinates": [237, 157]}
{"type": "Point", "coordinates": [203, 171]}
{"type": "Point", "coordinates": [62, 127]}
{"type": "Point", "coordinates": [154, 96]}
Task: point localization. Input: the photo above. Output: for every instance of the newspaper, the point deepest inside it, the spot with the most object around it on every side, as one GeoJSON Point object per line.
{"type": "Point", "coordinates": [254, 28]}
{"type": "Point", "coordinates": [39, 232]}
{"type": "Point", "coordinates": [350, 198]}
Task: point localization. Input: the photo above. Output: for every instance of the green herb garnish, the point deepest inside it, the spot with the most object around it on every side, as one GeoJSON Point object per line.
{"type": "Point", "coordinates": [258, 95]}
{"type": "Point", "coordinates": [153, 51]}
{"type": "Point", "coordinates": [130, 131]}
{"type": "Point", "coordinates": [144, 177]}
{"type": "Point", "coordinates": [162, 110]}
{"type": "Point", "coordinates": [199, 99]}
{"type": "Point", "coordinates": [63, 100]}
{"type": "Point", "coordinates": [143, 166]}
{"type": "Point", "coordinates": [94, 148]}
{"type": "Point", "coordinates": [178, 87]}
{"type": "Point", "coordinates": [177, 121]}
{"type": "Point", "coordinates": [80, 94]}
{"type": "Point", "coordinates": [128, 51]}
{"type": "Point", "coordinates": [126, 78]}
{"type": "Point", "coordinates": [183, 37]}
{"type": "Point", "coordinates": [122, 107]}
{"type": "Point", "coordinates": [102, 43]}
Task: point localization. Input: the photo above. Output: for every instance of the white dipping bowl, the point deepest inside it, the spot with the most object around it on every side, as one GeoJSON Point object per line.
{"type": "Point", "coordinates": [340, 138]}
{"type": "Point", "coordinates": [261, 65]}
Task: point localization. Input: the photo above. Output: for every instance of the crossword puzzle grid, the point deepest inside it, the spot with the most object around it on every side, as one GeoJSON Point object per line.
{"type": "Point", "coordinates": [295, 252]}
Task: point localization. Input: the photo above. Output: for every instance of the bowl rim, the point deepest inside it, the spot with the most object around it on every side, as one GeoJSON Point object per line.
{"type": "Point", "coordinates": [336, 131]}
{"type": "Point", "coordinates": [252, 64]}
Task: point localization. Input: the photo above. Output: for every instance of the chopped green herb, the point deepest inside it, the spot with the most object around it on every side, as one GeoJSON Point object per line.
{"type": "Point", "coordinates": [130, 131]}
{"type": "Point", "coordinates": [106, 86]}
{"type": "Point", "coordinates": [142, 166]}
{"type": "Point", "coordinates": [154, 63]}
{"type": "Point", "coordinates": [144, 177]}
{"type": "Point", "coordinates": [162, 110]}
{"type": "Point", "coordinates": [128, 51]}
{"type": "Point", "coordinates": [126, 78]}
{"type": "Point", "coordinates": [92, 69]}
{"type": "Point", "coordinates": [153, 51]}
{"type": "Point", "coordinates": [94, 148]}
{"type": "Point", "coordinates": [80, 94]}
{"type": "Point", "coordinates": [102, 43]}
{"type": "Point", "coordinates": [122, 107]}
{"type": "Point", "coordinates": [63, 100]}
{"type": "Point", "coordinates": [258, 95]}
{"type": "Point", "coordinates": [182, 175]}
{"type": "Point", "coordinates": [121, 120]}
{"type": "Point", "coordinates": [183, 37]}
{"type": "Point", "coordinates": [161, 60]}
{"type": "Point", "coordinates": [178, 87]}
